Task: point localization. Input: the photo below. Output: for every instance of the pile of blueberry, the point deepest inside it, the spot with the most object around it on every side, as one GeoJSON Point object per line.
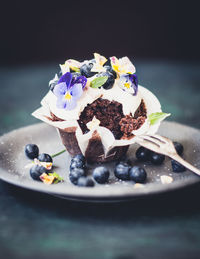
{"type": "Point", "coordinates": [85, 70]}
{"type": "Point", "coordinates": [32, 152]}
{"type": "Point", "coordinates": [144, 155]}
{"type": "Point", "coordinates": [123, 169]}
{"type": "Point", "coordinates": [100, 174]}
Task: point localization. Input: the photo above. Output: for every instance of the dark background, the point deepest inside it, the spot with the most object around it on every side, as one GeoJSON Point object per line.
{"type": "Point", "coordinates": [162, 38]}
{"type": "Point", "coordinates": [52, 31]}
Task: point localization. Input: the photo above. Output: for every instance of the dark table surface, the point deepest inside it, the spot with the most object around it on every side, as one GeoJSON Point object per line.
{"type": "Point", "coordinates": [35, 225]}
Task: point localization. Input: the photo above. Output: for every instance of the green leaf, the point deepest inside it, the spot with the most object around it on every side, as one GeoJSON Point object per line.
{"type": "Point", "coordinates": [98, 81]}
{"type": "Point", "coordinates": [58, 178]}
{"type": "Point", "coordinates": [56, 181]}
{"type": "Point", "coordinates": [157, 117]}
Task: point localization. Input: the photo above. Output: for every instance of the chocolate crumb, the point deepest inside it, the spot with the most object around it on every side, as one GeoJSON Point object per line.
{"type": "Point", "coordinates": [108, 113]}
{"type": "Point", "coordinates": [128, 124]}
{"type": "Point", "coordinates": [111, 116]}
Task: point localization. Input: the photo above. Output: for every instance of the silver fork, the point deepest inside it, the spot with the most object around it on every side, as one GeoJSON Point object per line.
{"type": "Point", "coordinates": [164, 146]}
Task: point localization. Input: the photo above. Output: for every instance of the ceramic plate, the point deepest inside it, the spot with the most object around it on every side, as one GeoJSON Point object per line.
{"type": "Point", "coordinates": [13, 162]}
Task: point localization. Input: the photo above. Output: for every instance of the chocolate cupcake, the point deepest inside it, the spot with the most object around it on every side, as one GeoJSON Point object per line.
{"type": "Point", "coordinates": [98, 107]}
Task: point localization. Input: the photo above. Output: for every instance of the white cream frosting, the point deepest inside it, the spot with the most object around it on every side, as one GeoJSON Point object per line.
{"type": "Point", "coordinates": [129, 102]}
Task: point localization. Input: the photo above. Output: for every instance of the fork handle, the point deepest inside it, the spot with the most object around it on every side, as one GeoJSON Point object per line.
{"type": "Point", "coordinates": [186, 164]}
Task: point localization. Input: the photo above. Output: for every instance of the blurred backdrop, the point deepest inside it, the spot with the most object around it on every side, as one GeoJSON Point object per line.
{"type": "Point", "coordinates": [162, 40]}
{"type": "Point", "coordinates": [43, 31]}
{"type": "Point", "coordinates": [160, 37]}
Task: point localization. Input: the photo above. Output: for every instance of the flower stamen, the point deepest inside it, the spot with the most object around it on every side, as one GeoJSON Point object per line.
{"type": "Point", "coordinates": [68, 96]}
{"type": "Point", "coordinates": [127, 85]}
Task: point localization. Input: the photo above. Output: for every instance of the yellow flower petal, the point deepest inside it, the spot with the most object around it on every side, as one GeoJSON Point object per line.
{"type": "Point", "coordinates": [122, 65]}
{"type": "Point", "coordinates": [101, 60]}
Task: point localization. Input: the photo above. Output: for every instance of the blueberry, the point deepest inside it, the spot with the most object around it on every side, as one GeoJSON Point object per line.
{"type": "Point", "coordinates": [92, 60]}
{"type": "Point", "coordinates": [179, 147]}
{"type": "Point", "coordinates": [110, 81]}
{"type": "Point", "coordinates": [60, 73]}
{"type": "Point", "coordinates": [155, 158]}
{"type": "Point", "coordinates": [122, 171]}
{"type": "Point", "coordinates": [36, 171]}
{"type": "Point", "coordinates": [124, 159]}
{"type": "Point", "coordinates": [137, 174]}
{"type": "Point", "coordinates": [45, 158]}
{"type": "Point", "coordinates": [85, 70]}
{"type": "Point", "coordinates": [77, 164]}
{"type": "Point", "coordinates": [32, 151]}
{"type": "Point", "coordinates": [109, 69]}
{"type": "Point", "coordinates": [101, 174]}
{"type": "Point", "coordinates": [177, 167]}
{"type": "Point", "coordinates": [75, 174]}
{"type": "Point", "coordinates": [78, 157]}
{"type": "Point", "coordinates": [108, 63]}
{"type": "Point", "coordinates": [53, 84]}
{"type": "Point", "coordinates": [78, 161]}
{"type": "Point", "coordinates": [85, 181]}
{"type": "Point", "coordinates": [142, 154]}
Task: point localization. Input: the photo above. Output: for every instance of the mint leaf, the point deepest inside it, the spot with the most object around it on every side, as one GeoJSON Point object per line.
{"type": "Point", "coordinates": [98, 81]}
{"type": "Point", "coordinates": [157, 117]}
{"type": "Point", "coordinates": [58, 178]}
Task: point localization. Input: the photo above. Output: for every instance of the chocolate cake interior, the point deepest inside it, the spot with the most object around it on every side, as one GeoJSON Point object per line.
{"type": "Point", "coordinates": [111, 116]}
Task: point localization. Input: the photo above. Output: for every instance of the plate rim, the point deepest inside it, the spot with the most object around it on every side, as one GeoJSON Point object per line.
{"type": "Point", "coordinates": [87, 194]}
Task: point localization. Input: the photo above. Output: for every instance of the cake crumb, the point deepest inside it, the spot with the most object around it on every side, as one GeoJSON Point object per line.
{"type": "Point", "coordinates": [138, 185]}
{"type": "Point", "coordinates": [165, 179]}
{"type": "Point", "coordinates": [93, 124]}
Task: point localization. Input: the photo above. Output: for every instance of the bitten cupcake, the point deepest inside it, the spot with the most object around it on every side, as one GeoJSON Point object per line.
{"type": "Point", "coordinates": [98, 107]}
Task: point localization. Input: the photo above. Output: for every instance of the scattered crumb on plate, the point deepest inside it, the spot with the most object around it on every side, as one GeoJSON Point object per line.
{"type": "Point", "coordinates": [138, 185]}
{"type": "Point", "coordinates": [165, 179]}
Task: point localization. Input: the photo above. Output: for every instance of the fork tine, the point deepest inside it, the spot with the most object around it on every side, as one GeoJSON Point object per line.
{"type": "Point", "coordinates": [148, 144]}
{"type": "Point", "coordinates": [151, 139]}
{"type": "Point", "coordinates": [161, 138]}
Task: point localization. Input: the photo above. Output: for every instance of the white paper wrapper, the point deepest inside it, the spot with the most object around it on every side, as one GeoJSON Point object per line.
{"type": "Point", "coordinates": [99, 142]}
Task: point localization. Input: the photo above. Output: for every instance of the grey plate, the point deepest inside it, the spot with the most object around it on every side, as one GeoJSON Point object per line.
{"type": "Point", "coordinates": [13, 162]}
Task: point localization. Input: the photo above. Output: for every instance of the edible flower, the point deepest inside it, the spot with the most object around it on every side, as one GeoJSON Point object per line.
{"type": "Point", "coordinates": [69, 90]}
{"type": "Point", "coordinates": [129, 83]}
{"type": "Point", "coordinates": [47, 179]}
{"type": "Point", "coordinates": [47, 165]}
{"type": "Point", "coordinates": [98, 64]}
{"type": "Point", "coordinates": [51, 178]}
{"type": "Point", "coordinates": [122, 65]}
{"type": "Point", "coordinates": [70, 63]}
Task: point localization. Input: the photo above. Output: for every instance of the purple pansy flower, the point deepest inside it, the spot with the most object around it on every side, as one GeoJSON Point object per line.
{"type": "Point", "coordinates": [68, 90]}
{"type": "Point", "coordinates": [129, 83]}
